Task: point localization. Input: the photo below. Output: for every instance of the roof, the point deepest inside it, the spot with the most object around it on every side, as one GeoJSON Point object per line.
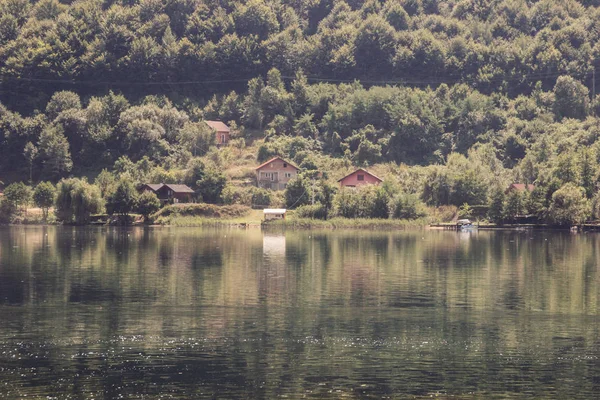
{"type": "Point", "coordinates": [521, 187]}
{"type": "Point", "coordinates": [153, 186]}
{"type": "Point", "coordinates": [179, 188]}
{"type": "Point", "coordinates": [276, 158]}
{"type": "Point", "coordinates": [274, 211]}
{"type": "Point", "coordinates": [363, 170]}
{"type": "Point", "coordinates": [218, 126]}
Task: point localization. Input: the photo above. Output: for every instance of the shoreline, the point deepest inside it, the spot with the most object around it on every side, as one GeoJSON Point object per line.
{"type": "Point", "coordinates": [331, 224]}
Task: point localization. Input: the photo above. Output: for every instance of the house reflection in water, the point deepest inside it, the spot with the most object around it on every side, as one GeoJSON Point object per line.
{"type": "Point", "coordinates": [273, 245]}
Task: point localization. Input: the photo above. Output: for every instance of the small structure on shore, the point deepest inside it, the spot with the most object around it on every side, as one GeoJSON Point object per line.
{"type": "Point", "coordinates": [169, 192]}
{"type": "Point", "coordinates": [222, 132]}
{"type": "Point", "coordinates": [274, 213]}
{"type": "Point", "coordinates": [360, 177]}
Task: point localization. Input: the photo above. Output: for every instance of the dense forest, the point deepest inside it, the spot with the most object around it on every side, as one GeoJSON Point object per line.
{"type": "Point", "coordinates": [450, 100]}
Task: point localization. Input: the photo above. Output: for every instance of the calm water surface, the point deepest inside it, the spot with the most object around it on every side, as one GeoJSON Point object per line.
{"type": "Point", "coordinates": [110, 313]}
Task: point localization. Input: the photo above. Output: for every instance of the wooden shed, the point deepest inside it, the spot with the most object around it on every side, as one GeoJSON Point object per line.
{"type": "Point", "coordinates": [274, 213]}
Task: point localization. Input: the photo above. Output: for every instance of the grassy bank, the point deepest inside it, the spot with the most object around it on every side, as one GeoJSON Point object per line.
{"type": "Point", "coordinates": [209, 215]}
{"type": "Point", "coordinates": [350, 223]}
{"type": "Point", "coordinates": [199, 215]}
{"type": "Point", "coordinates": [254, 218]}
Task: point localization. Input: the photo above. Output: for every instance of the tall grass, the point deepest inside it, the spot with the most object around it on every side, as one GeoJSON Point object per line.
{"type": "Point", "coordinates": [350, 223]}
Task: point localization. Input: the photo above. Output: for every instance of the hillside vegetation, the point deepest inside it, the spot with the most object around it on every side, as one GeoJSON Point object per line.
{"type": "Point", "coordinates": [449, 101]}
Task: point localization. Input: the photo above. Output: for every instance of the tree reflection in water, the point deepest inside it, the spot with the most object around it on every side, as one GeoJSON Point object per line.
{"type": "Point", "coordinates": [193, 313]}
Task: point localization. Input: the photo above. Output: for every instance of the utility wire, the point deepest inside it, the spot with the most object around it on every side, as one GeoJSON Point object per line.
{"type": "Point", "coordinates": [451, 79]}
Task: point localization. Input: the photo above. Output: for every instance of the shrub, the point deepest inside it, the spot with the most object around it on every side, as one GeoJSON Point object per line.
{"type": "Point", "coordinates": [203, 210]}
{"type": "Point", "coordinates": [237, 195]}
{"type": "Point", "coordinates": [315, 211]}
{"type": "Point", "coordinates": [261, 197]}
{"type": "Point", "coordinates": [407, 206]}
{"type": "Point", "coordinates": [569, 206]}
{"type": "Point", "coordinates": [17, 194]}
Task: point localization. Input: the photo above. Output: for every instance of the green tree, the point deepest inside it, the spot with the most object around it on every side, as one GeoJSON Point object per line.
{"type": "Point", "coordinates": [261, 197]}
{"type": "Point", "coordinates": [123, 200]}
{"type": "Point", "coordinates": [196, 170]}
{"type": "Point", "coordinates": [513, 205]}
{"type": "Point", "coordinates": [297, 192]}
{"type": "Point", "coordinates": [17, 195]}
{"type": "Point", "coordinates": [571, 98]}
{"type": "Point", "coordinates": [54, 151]}
{"type": "Point", "coordinates": [106, 182]}
{"type": "Point", "coordinates": [30, 152]}
{"type": "Point", "coordinates": [567, 168]}
{"type": "Point", "coordinates": [44, 196]}
{"type": "Point", "coordinates": [407, 206]}
{"type": "Point", "coordinates": [569, 206]}
{"type": "Point", "coordinates": [347, 204]}
{"type": "Point", "coordinates": [211, 185]}
{"type": "Point", "coordinates": [62, 101]}
{"type": "Point", "coordinates": [380, 203]}
{"type": "Point", "coordinates": [148, 204]}
{"type": "Point", "coordinates": [496, 205]}
{"type": "Point", "coordinates": [468, 188]}
{"type": "Point", "coordinates": [436, 187]}
{"type": "Point", "coordinates": [77, 200]}
{"type": "Point", "coordinates": [588, 170]}
{"type": "Point", "coordinates": [198, 137]}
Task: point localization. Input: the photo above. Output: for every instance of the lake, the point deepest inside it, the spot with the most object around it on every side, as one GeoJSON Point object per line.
{"type": "Point", "coordinates": [178, 313]}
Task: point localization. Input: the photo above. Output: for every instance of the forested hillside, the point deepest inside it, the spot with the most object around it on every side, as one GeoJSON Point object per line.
{"type": "Point", "coordinates": [191, 47]}
{"type": "Point", "coordinates": [508, 84]}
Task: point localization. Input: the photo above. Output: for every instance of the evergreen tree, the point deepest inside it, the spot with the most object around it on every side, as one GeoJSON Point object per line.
{"type": "Point", "coordinates": [496, 205]}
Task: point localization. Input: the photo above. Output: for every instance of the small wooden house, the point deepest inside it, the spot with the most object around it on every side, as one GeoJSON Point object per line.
{"type": "Point", "coordinates": [169, 192]}
{"type": "Point", "coordinates": [359, 177]}
{"type": "Point", "coordinates": [172, 193]}
{"type": "Point", "coordinates": [150, 187]}
{"type": "Point", "coordinates": [222, 132]}
{"type": "Point", "coordinates": [274, 213]}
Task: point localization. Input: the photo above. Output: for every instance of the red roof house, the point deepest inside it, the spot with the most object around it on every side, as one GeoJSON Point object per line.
{"type": "Point", "coordinates": [275, 173]}
{"type": "Point", "coordinates": [222, 131]}
{"type": "Point", "coordinates": [358, 178]}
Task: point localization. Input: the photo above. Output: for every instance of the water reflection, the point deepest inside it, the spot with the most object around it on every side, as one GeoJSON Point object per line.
{"type": "Point", "coordinates": [190, 313]}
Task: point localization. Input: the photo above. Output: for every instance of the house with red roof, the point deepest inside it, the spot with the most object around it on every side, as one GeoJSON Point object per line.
{"type": "Point", "coordinates": [222, 131]}
{"type": "Point", "coordinates": [275, 173]}
{"type": "Point", "coordinates": [360, 177]}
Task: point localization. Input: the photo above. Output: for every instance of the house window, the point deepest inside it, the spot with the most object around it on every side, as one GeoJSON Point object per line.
{"type": "Point", "coordinates": [222, 138]}
{"type": "Point", "coordinates": [284, 165]}
{"type": "Point", "coordinates": [360, 177]}
{"type": "Point", "coordinates": [288, 174]}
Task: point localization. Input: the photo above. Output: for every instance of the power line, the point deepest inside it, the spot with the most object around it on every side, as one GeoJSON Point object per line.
{"type": "Point", "coordinates": [407, 82]}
